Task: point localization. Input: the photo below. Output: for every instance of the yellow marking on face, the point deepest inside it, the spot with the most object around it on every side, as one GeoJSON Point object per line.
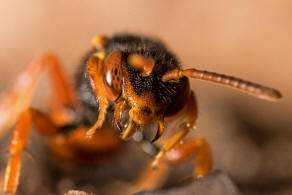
{"type": "Point", "coordinates": [100, 54]}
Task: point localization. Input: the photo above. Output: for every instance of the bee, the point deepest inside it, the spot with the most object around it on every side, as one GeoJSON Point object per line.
{"type": "Point", "coordinates": [126, 80]}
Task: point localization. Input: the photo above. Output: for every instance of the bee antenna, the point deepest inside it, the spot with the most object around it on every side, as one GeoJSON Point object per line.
{"type": "Point", "coordinates": [228, 81]}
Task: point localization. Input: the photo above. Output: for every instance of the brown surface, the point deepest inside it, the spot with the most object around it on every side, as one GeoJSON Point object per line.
{"type": "Point", "coordinates": [216, 183]}
{"type": "Point", "coordinates": [251, 139]}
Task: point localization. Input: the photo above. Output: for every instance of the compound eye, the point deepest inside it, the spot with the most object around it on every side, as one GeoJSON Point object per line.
{"type": "Point", "coordinates": [112, 71]}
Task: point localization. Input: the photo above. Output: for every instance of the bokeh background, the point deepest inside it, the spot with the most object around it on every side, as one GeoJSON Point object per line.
{"type": "Point", "coordinates": [251, 138]}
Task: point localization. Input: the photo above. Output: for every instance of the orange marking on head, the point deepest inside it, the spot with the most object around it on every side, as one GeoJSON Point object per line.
{"type": "Point", "coordinates": [141, 63]}
{"type": "Point", "coordinates": [98, 41]}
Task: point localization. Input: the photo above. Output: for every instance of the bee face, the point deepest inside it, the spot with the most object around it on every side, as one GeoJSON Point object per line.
{"type": "Point", "coordinates": [139, 92]}
{"type": "Point", "coordinates": [126, 71]}
{"type": "Point", "coordinates": [136, 79]}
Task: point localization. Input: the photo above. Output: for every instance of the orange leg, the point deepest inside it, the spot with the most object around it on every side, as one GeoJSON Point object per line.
{"type": "Point", "coordinates": [197, 147]}
{"type": "Point", "coordinates": [94, 71]}
{"type": "Point", "coordinates": [14, 106]}
{"type": "Point", "coordinates": [19, 96]}
{"type": "Point", "coordinates": [169, 145]}
{"type": "Point", "coordinates": [150, 179]}
{"type": "Point", "coordinates": [153, 179]}
{"type": "Point", "coordinates": [74, 146]}
{"type": "Point", "coordinates": [188, 122]}
{"type": "Point", "coordinates": [19, 140]}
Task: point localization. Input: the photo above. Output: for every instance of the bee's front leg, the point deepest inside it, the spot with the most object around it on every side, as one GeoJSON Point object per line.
{"type": "Point", "coordinates": [186, 124]}
{"type": "Point", "coordinates": [197, 147]}
{"type": "Point", "coordinates": [173, 152]}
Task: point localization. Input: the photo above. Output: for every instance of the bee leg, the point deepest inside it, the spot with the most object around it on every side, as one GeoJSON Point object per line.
{"type": "Point", "coordinates": [20, 136]}
{"type": "Point", "coordinates": [18, 97]}
{"type": "Point", "coordinates": [13, 107]}
{"type": "Point", "coordinates": [149, 179]}
{"type": "Point", "coordinates": [94, 71]}
{"type": "Point", "coordinates": [187, 122]}
{"type": "Point", "coordinates": [75, 147]}
{"type": "Point", "coordinates": [197, 147]}
{"type": "Point", "coordinates": [153, 179]}
{"type": "Point", "coordinates": [167, 147]}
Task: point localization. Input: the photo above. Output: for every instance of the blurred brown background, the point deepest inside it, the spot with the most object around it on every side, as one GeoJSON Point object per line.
{"type": "Point", "coordinates": [251, 138]}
